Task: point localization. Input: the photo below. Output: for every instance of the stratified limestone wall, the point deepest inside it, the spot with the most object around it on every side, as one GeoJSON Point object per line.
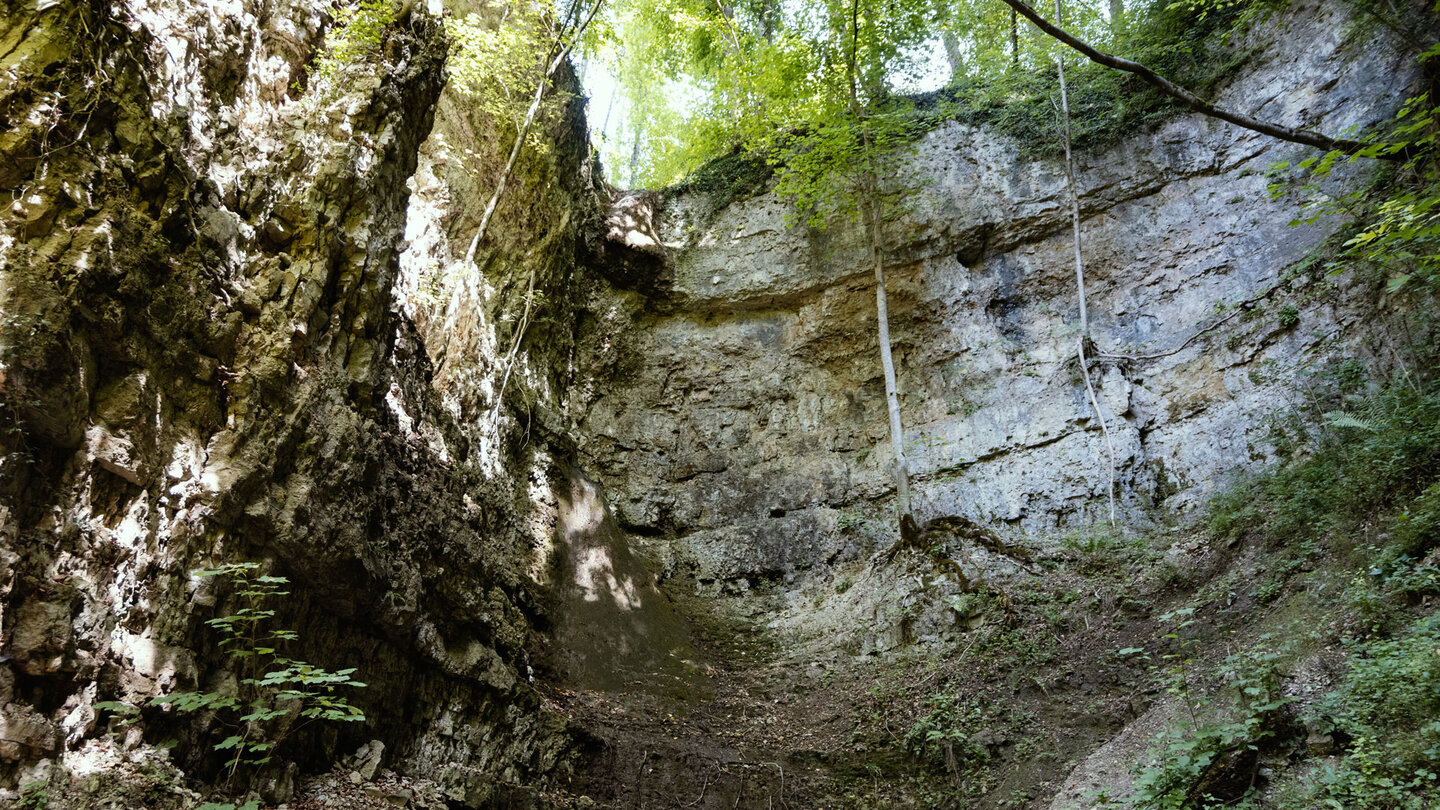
{"type": "Point", "coordinates": [203, 359]}
{"type": "Point", "coordinates": [238, 325]}
{"type": "Point", "coordinates": [746, 429]}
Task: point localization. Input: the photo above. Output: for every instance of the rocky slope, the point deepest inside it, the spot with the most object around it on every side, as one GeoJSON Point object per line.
{"type": "Point", "coordinates": [239, 325]}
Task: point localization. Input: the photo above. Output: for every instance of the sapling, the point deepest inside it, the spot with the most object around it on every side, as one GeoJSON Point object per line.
{"type": "Point", "coordinates": [277, 695]}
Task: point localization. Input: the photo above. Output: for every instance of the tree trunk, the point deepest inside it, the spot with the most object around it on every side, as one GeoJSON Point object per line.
{"type": "Point", "coordinates": [635, 154]}
{"type": "Point", "coordinates": [1080, 276]}
{"type": "Point", "coordinates": [952, 52]}
{"type": "Point", "coordinates": [887, 364]}
{"type": "Point", "coordinates": [1014, 38]}
{"type": "Point", "coordinates": [769, 14]}
{"type": "Point", "coordinates": [868, 191]}
{"type": "Point", "coordinates": [1117, 20]}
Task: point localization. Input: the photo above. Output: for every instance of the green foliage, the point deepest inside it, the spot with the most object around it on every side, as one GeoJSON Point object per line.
{"type": "Point", "coordinates": [497, 66]}
{"type": "Point", "coordinates": [1176, 40]}
{"type": "Point", "coordinates": [1378, 452]}
{"type": "Point", "coordinates": [1188, 762]}
{"type": "Point", "coordinates": [275, 691]}
{"type": "Point", "coordinates": [727, 178]}
{"type": "Point", "coordinates": [940, 735]}
{"type": "Point", "coordinates": [826, 170]}
{"type": "Point", "coordinates": [704, 79]}
{"type": "Point", "coordinates": [1396, 216]}
{"type": "Point", "coordinates": [34, 796]}
{"type": "Point", "coordinates": [1364, 465]}
{"type": "Point", "coordinates": [1387, 706]}
{"type": "Point", "coordinates": [356, 35]}
{"type": "Point", "coordinates": [1289, 316]}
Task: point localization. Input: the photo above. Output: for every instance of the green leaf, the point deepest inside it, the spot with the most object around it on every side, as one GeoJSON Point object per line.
{"type": "Point", "coordinates": [117, 707]}
{"type": "Point", "coordinates": [233, 741]}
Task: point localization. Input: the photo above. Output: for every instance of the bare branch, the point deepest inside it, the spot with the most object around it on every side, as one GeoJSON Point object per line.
{"type": "Point", "coordinates": [1194, 102]}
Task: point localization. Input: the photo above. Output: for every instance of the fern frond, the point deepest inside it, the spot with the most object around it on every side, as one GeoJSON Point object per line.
{"type": "Point", "coordinates": [1342, 419]}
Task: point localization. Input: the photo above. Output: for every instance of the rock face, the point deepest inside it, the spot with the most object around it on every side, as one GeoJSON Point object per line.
{"type": "Point", "coordinates": [204, 359]}
{"type": "Point", "coordinates": [239, 325]}
{"type": "Point", "coordinates": [749, 428]}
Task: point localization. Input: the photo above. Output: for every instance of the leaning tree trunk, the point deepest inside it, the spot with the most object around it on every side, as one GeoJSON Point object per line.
{"type": "Point", "coordinates": [1318, 140]}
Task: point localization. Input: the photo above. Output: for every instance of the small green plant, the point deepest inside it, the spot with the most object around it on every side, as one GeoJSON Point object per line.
{"type": "Point", "coordinates": [1377, 452]}
{"type": "Point", "coordinates": [277, 695]}
{"type": "Point", "coordinates": [1289, 316]}
{"type": "Point", "coordinates": [34, 796]}
{"type": "Point", "coordinates": [1387, 705]}
{"type": "Point", "coordinates": [940, 734]}
{"type": "Point", "coordinates": [1187, 760]}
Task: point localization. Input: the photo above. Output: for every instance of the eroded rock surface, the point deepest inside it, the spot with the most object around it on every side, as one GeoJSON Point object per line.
{"type": "Point", "coordinates": [240, 323]}
{"type": "Point", "coordinates": [204, 360]}
{"type": "Point", "coordinates": [748, 428]}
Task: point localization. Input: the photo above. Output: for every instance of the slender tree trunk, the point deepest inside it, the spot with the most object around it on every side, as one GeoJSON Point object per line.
{"type": "Point", "coordinates": [1074, 197]}
{"type": "Point", "coordinates": [1117, 19]}
{"type": "Point", "coordinates": [1080, 275]}
{"type": "Point", "coordinates": [868, 191]}
{"type": "Point", "coordinates": [609, 108]}
{"type": "Point", "coordinates": [635, 152]}
{"type": "Point", "coordinates": [1194, 102]}
{"type": "Point", "coordinates": [540, 89]}
{"type": "Point", "coordinates": [887, 364]}
{"type": "Point", "coordinates": [953, 55]}
{"type": "Point", "coordinates": [1014, 38]}
{"type": "Point", "coordinates": [1105, 429]}
{"type": "Point", "coordinates": [521, 326]}
{"type": "Point", "coordinates": [769, 19]}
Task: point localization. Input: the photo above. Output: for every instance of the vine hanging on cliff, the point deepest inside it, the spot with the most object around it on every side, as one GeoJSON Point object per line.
{"type": "Point", "coordinates": [1080, 274]}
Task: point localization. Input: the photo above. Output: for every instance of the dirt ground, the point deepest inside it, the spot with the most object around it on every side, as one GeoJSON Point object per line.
{"type": "Point", "coordinates": [997, 718]}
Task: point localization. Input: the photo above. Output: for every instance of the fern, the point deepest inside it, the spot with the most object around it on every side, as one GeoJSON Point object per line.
{"type": "Point", "coordinates": [1343, 419]}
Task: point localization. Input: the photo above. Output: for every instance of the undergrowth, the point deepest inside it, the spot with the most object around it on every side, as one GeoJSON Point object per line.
{"type": "Point", "coordinates": [1372, 449]}
{"type": "Point", "coordinates": [1356, 502]}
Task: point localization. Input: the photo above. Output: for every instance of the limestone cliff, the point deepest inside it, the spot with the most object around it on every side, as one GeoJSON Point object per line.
{"type": "Point", "coordinates": [239, 325]}
{"type": "Point", "coordinates": [204, 359]}
{"type": "Point", "coordinates": [748, 430]}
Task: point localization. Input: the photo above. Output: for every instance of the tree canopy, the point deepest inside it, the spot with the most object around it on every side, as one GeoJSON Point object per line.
{"type": "Point", "coordinates": [705, 77]}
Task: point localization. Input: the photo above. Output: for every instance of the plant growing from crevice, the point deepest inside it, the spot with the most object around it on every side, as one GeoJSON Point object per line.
{"type": "Point", "coordinates": [276, 695]}
{"type": "Point", "coordinates": [357, 34]}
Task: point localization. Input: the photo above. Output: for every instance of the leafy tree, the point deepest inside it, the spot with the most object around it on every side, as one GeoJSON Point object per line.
{"type": "Point", "coordinates": [357, 34]}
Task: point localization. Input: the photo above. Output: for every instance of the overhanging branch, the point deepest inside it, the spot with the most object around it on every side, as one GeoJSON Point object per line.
{"type": "Point", "coordinates": [1194, 102]}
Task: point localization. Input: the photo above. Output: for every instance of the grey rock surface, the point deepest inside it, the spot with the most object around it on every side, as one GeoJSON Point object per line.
{"type": "Point", "coordinates": [748, 428]}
